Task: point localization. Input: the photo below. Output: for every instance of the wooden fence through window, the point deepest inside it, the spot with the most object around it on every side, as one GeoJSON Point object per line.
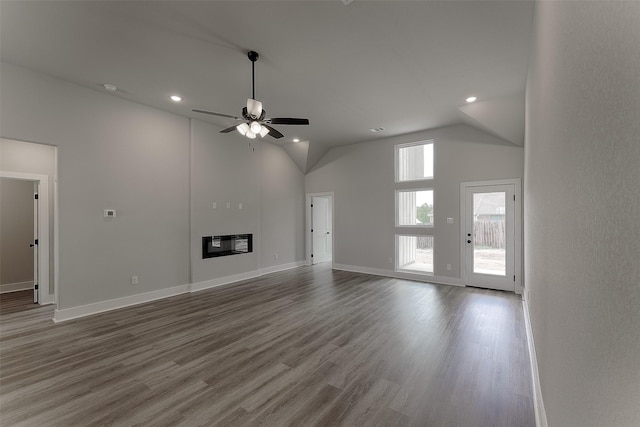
{"type": "Point", "coordinates": [489, 234]}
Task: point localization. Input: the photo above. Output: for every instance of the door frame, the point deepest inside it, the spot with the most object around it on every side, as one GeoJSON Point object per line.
{"type": "Point", "coordinates": [308, 237]}
{"type": "Point", "coordinates": [44, 297]}
{"type": "Point", "coordinates": [518, 248]}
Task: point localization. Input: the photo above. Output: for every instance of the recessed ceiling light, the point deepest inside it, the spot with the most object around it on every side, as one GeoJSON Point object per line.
{"type": "Point", "coordinates": [375, 130]}
{"type": "Point", "coordinates": [175, 98]}
{"type": "Point", "coordinates": [472, 99]}
{"type": "Point", "coordinates": [110, 87]}
{"type": "Point", "coordinates": [296, 140]}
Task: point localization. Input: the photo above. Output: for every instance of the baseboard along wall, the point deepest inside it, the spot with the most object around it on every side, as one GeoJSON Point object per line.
{"type": "Point", "coordinates": [15, 287]}
{"type": "Point", "coordinates": [114, 304]}
{"type": "Point", "coordinates": [538, 404]}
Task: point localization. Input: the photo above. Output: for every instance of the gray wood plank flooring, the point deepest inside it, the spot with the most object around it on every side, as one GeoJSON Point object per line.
{"type": "Point", "coordinates": [309, 346]}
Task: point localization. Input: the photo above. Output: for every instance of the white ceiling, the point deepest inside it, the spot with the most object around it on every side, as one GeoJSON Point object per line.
{"type": "Point", "coordinates": [403, 66]}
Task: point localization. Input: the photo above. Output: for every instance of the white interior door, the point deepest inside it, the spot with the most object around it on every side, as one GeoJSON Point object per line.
{"type": "Point", "coordinates": [489, 238]}
{"type": "Point", "coordinates": [321, 229]}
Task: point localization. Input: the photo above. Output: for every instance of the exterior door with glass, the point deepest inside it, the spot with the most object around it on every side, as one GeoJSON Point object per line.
{"type": "Point", "coordinates": [489, 236]}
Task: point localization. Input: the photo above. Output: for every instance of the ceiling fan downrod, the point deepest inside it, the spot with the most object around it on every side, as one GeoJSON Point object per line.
{"type": "Point", "coordinates": [253, 57]}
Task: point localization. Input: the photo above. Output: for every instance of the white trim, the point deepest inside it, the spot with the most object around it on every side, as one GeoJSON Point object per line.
{"type": "Point", "coordinates": [281, 267]}
{"type": "Point", "coordinates": [517, 214]}
{"type": "Point", "coordinates": [307, 234]}
{"type": "Point", "coordinates": [15, 287]}
{"type": "Point", "coordinates": [44, 297]}
{"type": "Point", "coordinates": [538, 403]}
{"type": "Point", "coordinates": [439, 280]}
{"type": "Point", "coordinates": [114, 304]}
{"type": "Point", "coordinates": [220, 281]}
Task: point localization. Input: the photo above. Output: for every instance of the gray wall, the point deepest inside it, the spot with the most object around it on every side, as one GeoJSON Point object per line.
{"type": "Point", "coordinates": [582, 194]}
{"type": "Point", "coordinates": [161, 172]}
{"type": "Point", "coordinates": [267, 183]}
{"type": "Point", "coordinates": [16, 231]}
{"type": "Point", "coordinates": [111, 154]}
{"type": "Point", "coordinates": [362, 178]}
{"type": "Point", "coordinates": [24, 157]}
{"type": "Point", "coordinates": [282, 208]}
{"type": "Point", "coordinates": [223, 171]}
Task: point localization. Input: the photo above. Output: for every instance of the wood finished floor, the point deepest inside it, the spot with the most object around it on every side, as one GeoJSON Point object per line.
{"type": "Point", "coordinates": [308, 346]}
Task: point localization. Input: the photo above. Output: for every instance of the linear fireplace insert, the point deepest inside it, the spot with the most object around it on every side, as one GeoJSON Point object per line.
{"type": "Point", "coordinates": [231, 244]}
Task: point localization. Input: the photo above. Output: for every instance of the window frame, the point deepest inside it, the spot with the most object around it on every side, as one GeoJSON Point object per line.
{"type": "Point", "coordinates": [397, 207]}
{"type": "Point", "coordinates": [398, 269]}
{"type": "Point", "coordinates": [396, 150]}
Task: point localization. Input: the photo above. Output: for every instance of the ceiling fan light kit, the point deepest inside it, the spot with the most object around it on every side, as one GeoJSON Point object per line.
{"type": "Point", "coordinates": [253, 115]}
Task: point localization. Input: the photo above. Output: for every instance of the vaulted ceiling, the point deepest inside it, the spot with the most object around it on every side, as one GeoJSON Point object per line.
{"type": "Point", "coordinates": [401, 66]}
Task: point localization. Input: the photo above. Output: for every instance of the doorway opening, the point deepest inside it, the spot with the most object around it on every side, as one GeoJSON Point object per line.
{"type": "Point", "coordinates": [319, 228]}
{"type": "Point", "coordinates": [36, 242]}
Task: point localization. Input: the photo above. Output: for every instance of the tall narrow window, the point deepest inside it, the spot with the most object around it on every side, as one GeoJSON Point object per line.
{"type": "Point", "coordinates": [414, 161]}
{"type": "Point", "coordinates": [414, 207]}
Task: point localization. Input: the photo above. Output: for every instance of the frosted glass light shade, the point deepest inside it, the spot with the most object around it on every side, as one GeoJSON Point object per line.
{"type": "Point", "coordinates": [264, 131]}
{"type": "Point", "coordinates": [255, 127]}
{"type": "Point", "coordinates": [242, 128]}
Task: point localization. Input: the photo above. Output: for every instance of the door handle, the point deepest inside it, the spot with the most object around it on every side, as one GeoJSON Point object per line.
{"type": "Point", "coordinates": [468, 241]}
{"type": "Point", "coordinates": [31, 245]}
{"type": "Point", "coordinates": [328, 232]}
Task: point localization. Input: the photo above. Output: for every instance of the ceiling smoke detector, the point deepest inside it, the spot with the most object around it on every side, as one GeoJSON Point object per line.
{"type": "Point", "coordinates": [109, 87]}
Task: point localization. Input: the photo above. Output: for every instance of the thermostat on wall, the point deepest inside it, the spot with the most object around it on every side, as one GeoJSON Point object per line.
{"type": "Point", "coordinates": [109, 213]}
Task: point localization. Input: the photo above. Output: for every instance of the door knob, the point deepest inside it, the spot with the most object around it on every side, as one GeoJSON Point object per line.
{"type": "Point", "coordinates": [31, 245]}
{"type": "Point", "coordinates": [468, 241]}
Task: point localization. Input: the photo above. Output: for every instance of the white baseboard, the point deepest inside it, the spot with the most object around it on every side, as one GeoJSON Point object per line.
{"type": "Point", "coordinates": [282, 267]}
{"type": "Point", "coordinates": [113, 304]}
{"type": "Point", "coordinates": [102, 306]}
{"type": "Point", "coordinates": [538, 404]}
{"type": "Point", "coordinates": [451, 281]}
{"type": "Point", "coordinates": [15, 287]}
{"type": "Point", "coordinates": [208, 284]}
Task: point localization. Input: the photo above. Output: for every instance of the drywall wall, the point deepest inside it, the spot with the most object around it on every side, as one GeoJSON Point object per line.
{"type": "Point", "coordinates": [16, 231]}
{"type": "Point", "coordinates": [256, 189]}
{"type": "Point", "coordinates": [39, 159]}
{"type": "Point", "coordinates": [282, 208]}
{"type": "Point", "coordinates": [582, 204]}
{"type": "Point", "coordinates": [161, 173]}
{"type": "Point", "coordinates": [361, 176]}
{"type": "Point", "coordinates": [111, 154]}
{"type": "Point", "coordinates": [225, 171]}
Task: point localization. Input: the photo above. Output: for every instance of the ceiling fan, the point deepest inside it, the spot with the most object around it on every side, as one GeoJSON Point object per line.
{"type": "Point", "coordinates": [253, 117]}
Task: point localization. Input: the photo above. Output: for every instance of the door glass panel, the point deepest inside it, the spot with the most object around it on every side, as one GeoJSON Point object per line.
{"type": "Point", "coordinates": [489, 253]}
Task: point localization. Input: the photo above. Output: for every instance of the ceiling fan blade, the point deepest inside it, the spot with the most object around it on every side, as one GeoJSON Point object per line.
{"type": "Point", "coordinates": [273, 132]}
{"type": "Point", "coordinates": [287, 121]}
{"type": "Point", "coordinates": [229, 129]}
{"type": "Point", "coordinates": [195, 110]}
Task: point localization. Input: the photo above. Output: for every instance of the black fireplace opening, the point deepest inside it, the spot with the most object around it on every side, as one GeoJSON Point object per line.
{"type": "Point", "coordinates": [231, 244]}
